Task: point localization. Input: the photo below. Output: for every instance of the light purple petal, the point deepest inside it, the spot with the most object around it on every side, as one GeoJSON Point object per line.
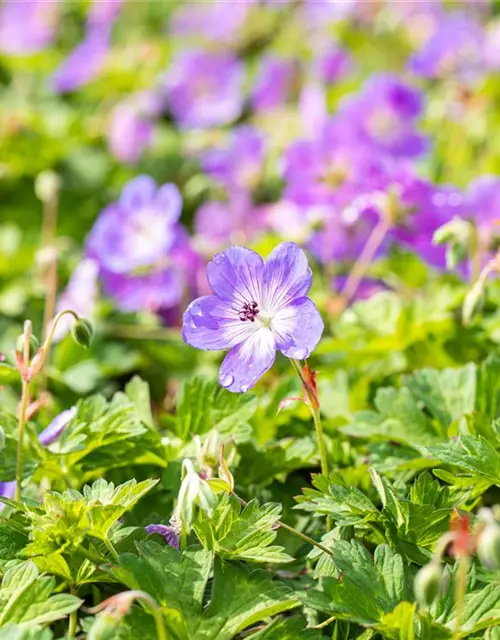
{"type": "Point", "coordinates": [298, 328]}
{"type": "Point", "coordinates": [213, 324]}
{"type": "Point", "coordinates": [236, 275]}
{"type": "Point", "coordinates": [248, 361]}
{"type": "Point", "coordinates": [51, 433]}
{"type": "Point", "coordinates": [169, 200]}
{"type": "Point", "coordinates": [286, 276]}
{"type": "Point", "coordinates": [138, 193]}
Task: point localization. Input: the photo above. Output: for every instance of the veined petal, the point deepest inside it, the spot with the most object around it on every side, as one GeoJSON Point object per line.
{"type": "Point", "coordinates": [212, 324]}
{"type": "Point", "coordinates": [248, 361]}
{"type": "Point", "coordinates": [297, 328]}
{"type": "Point", "coordinates": [286, 276]}
{"type": "Point", "coordinates": [138, 192]}
{"type": "Point", "coordinates": [236, 275]}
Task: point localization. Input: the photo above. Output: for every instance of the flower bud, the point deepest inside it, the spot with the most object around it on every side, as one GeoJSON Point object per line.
{"type": "Point", "coordinates": [428, 583]}
{"type": "Point", "coordinates": [473, 303]}
{"type": "Point", "coordinates": [488, 546]}
{"type": "Point", "coordinates": [82, 332]}
{"type": "Point", "coordinates": [105, 627]}
{"type": "Point", "coordinates": [47, 185]}
{"type": "Point", "coordinates": [194, 492]}
{"type": "Point", "coordinates": [34, 344]}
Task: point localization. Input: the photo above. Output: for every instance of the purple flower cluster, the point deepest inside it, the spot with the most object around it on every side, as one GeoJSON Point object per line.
{"type": "Point", "coordinates": [144, 255]}
{"type": "Point", "coordinates": [27, 27]}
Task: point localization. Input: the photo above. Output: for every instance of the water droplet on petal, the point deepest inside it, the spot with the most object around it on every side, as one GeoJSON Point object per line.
{"type": "Point", "coordinates": [227, 380]}
{"type": "Point", "coordinates": [244, 388]}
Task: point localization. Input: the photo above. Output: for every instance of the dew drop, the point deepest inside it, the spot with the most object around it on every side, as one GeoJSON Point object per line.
{"type": "Point", "coordinates": [244, 388]}
{"type": "Point", "coordinates": [227, 380]}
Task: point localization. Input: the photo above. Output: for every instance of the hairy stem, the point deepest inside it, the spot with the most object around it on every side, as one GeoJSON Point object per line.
{"type": "Point", "coordinates": [313, 405]}
{"type": "Point", "coordinates": [460, 588]}
{"type": "Point", "coordinates": [22, 411]}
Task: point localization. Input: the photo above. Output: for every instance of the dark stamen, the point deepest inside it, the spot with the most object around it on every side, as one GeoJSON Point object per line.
{"type": "Point", "coordinates": [249, 311]}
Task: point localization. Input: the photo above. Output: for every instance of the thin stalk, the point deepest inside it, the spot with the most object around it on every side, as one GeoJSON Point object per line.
{"type": "Point", "coordinates": [111, 550]}
{"type": "Point", "coordinates": [313, 405]}
{"type": "Point", "coordinates": [365, 259]}
{"type": "Point", "coordinates": [295, 532]}
{"type": "Point", "coordinates": [460, 588]}
{"type": "Point", "coordinates": [22, 412]}
{"type": "Point", "coordinates": [161, 632]}
{"type": "Point", "coordinates": [73, 619]}
{"type": "Point", "coordinates": [49, 230]}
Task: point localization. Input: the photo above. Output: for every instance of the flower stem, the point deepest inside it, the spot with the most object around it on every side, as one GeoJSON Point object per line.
{"type": "Point", "coordinates": [314, 407]}
{"type": "Point", "coordinates": [161, 632]}
{"type": "Point", "coordinates": [460, 587]}
{"type": "Point", "coordinates": [22, 412]}
{"type": "Point", "coordinates": [112, 551]}
{"type": "Point", "coordinates": [365, 259]}
{"type": "Point", "coordinates": [295, 532]}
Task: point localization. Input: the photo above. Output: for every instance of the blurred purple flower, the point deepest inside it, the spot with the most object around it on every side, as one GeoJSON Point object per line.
{"type": "Point", "coordinates": [139, 229]}
{"type": "Point", "coordinates": [7, 490]}
{"type": "Point", "coordinates": [27, 26]}
{"type": "Point", "coordinates": [218, 224]}
{"type": "Point", "coordinates": [385, 115]}
{"type": "Point", "coordinates": [257, 308]}
{"type": "Point", "coordinates": [239, 165]}
{"type": "Point", "coordinates": [80, 295]}
{"type": "Point", "coordinates": [455, 50]}
{"type": "Point", "coordinates": [132, 127]}
{"type": "Point", "coordinates": [52, 432]}
{"type": "Point", "coordinates": [213, 21]}
{"type": "Point", "coordinates": [482, 205]}
{"type": "Point", "coordinates": [205, 89]}
{"type": "Point", "coordinates": [168, 533]}
{"type": "Point", "coordinates": [104, 12]}
{"type": "Point", "coordinates": [292, 221]}
{"type": "Point", "coordinates": [330, 66]}
{"type": "Point", "coordinates": [274, 82]}
{"type": "Point", "coordinates": [367, 288]}
{"type": "Point", "coordinates": [84, 63]}
{"type": "Point", "coordinates": [313, 108]}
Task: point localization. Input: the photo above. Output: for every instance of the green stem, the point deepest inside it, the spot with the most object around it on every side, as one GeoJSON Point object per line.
{"type": "Point", "coordinates": [112, 550]}
{"type": "Point", "coordinates": [73, 619]}
{"type": "Point", "coordinates": [312, 402]}
{"type": "Point", "coordinates": [460, 588]}
{"type": "Point", "coordinates": [161, 632]}
{"type": "Point", "coordinates": [50, 336]}
{"type": "Point", "coordinates": [22, 411]}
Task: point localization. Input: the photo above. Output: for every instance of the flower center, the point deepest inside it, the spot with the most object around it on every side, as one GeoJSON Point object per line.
{"type": "Point", "coordinates": [249, 311]}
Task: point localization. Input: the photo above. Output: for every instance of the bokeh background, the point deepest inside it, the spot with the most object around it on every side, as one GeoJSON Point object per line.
{"type": "Point", "coordinates": [356, 128]}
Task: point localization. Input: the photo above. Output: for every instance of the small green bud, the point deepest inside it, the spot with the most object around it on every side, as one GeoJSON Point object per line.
{"type": "Point", "coordinates": [105, 627]}
{"type": "Point", "coordinates": [34, 345]}
{"type": "Point", "coordinates": [82, 332]}
{"type": "Point", "coordinates": [428, 583]}
{"type": "Point", "coordinates": [488, 546]}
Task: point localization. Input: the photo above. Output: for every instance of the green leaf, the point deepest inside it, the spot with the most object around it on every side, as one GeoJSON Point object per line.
{"type": "Point", "coordinates": [242, 536]}
{"type": "Point", "coordinates": [138, 392]}
{"type": "Point", "coordinates": [16, 632]}
{"type": "Point", "coordinates": [54, 608]}
{"type": "Point", "coordinates": [8, 374]}
{"type": "Point", "coordinates": [471, 454]}
{"type": "Point", "coordinates": [287, 629]}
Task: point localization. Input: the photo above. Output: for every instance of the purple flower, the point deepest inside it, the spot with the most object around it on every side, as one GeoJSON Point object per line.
{"type": "Point", "coordinates": [455, 49]}
{"type": "Point", "coordinates": [257, 308]}
{"type": "Point", "coordinates": [52, 432]}
{"type": "Point", "coordinates": [332, 65]}
{"type": "Point", "coordinates": [132, 128]}
{"type": "Point", "coordinates": [239, 165]}
{"type": "Point", "coordinates": [482, 205]}
{"type": "Point", "coordinates": [385, 115]}
{"type": "Point", "coordinates": [80, 295]}
{"type": "Point", "coordinates": [104, 12]}
{"type": "Point", "coordinates": [7, 490]}
{"type": "Point", "coordinates": [27, 26]}
{"type": "Point", "coordinates": [139, 229]}
{"type": "Point", "coordinates": [168, 533]}
{"type": "Point", "coordinates": [367, 288]}
{"type": "Point", "coordinates": [274, 82]}
{"type": "Point", "coordinates": [205, 89]}
{"type": "Point", "coordinates": [214, 22]}
{"type": "Point", "coordinates": [218, 224]}
{"type": "Point", "coordinates": [84, 63]}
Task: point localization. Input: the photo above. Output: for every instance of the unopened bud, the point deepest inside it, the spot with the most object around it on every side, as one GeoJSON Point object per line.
{"type": "Point", "coordinates": [82, 332]}
{"type": "Point", "coordinates": [456, 231]}
{"type": "Point", "coordinates": [105, 627]}
{"type": "Point", "coordinates": [47, 185]}
{"type": "Point", "coordinates": [473, 303]}
{"type": "Point", "coordinates": [428, 583]}
{"type": "Point", "coordinates": [34, 344]}
{"type": "Point", "coordinates": [488, 546]}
